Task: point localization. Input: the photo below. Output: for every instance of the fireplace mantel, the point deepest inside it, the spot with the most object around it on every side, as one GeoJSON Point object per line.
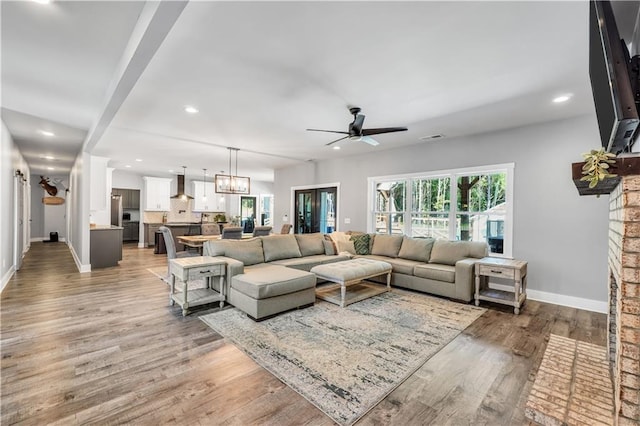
{"type": "Point", "coordinates": [624, 166]}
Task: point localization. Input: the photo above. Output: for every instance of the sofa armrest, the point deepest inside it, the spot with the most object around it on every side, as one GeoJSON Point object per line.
{"type": "Point", "coordinates": [465, 279]}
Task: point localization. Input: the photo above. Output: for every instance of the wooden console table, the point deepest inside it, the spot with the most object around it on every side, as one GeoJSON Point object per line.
{"type": "Point", "coordinates": [191, 268]}
{"type": "Point", "coordinates": [515, 270]}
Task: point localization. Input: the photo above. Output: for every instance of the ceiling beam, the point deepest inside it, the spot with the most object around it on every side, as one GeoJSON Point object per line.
{"type": "Point", "coordinates": [154, 23]}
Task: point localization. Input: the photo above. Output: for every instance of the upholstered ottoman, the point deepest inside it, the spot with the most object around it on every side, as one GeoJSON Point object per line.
{"type": "Point", "coordinates": [266, 290]}
{"type": "Point", "coordinates": [351, 272]}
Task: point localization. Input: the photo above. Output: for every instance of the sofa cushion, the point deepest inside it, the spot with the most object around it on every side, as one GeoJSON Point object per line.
{"type": "Point", "coordinates": [416, 248]}
{"type": "Point", "coordinates": [446, 273]}
{"type": "Point", "coordinates": [449, 252]}
{"type": "Point", "coordinates": [478, 249]}
{"type": "Point", "coordinates": [360, 243]}
{"type": "Point", "coordinates": [386, 245]}
{"type": "Point", "coordinates": [308, 262]}
{"type": "Point", "coordinates": [399, 266]}
{"type": "Point", "coordinates": [214, 248]}
{"type": "Point", "coordinates": [342, 242]}
{"type": "Point", "coordinates": [264, 281]}
{"type": "Point", "coordinates": [310, 244]}
{"type": "Point", "coordinates": [248, 252]}
{"type": "Point", "coordinates": [278, 247]}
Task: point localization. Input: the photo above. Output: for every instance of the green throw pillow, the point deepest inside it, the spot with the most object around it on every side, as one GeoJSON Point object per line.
{"type": "Point", "coordinates": [361, 243]}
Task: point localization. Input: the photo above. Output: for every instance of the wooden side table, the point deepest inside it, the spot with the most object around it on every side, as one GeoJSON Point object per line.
{"type": "Point", "coordinates": [191, 268]}
{"type": "Point", "coordinates": [515, 270]}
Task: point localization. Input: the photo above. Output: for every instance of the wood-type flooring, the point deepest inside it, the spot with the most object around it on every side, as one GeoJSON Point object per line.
{"type": "Point", "coordinates": [105, 348]}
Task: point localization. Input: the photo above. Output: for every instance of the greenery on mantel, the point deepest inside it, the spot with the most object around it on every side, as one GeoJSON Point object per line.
{"type": "Point", "coordinates": [596, 166]}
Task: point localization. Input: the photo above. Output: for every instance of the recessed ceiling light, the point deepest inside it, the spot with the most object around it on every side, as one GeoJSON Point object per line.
{"type": "Point", "coordinates": [191, 110]}
{"type": "Point", "coordinates": [46, 133]}
{"type": "Point", "coordinates": [171, 171]}
{"type": "Point", "coordinates": [49, 168]}
{"type": "Point", "coordinates": [48, 157]}
{"type": "Point", "coordinates": [336, 147]}
{"type": "Point", "coordinates": [42, 1]}
{"type": "Point", "coordinates": [138, 160]}
{"type": "Point", "coordinates": [128, 166]}
{"type": "Point", "coordinates": [560, 99]}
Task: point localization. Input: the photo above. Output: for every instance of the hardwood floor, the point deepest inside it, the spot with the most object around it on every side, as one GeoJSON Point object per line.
{"type": "Point", "coordinates": [106, 348]}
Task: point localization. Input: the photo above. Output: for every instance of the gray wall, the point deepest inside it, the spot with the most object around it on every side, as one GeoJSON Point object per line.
{"type": "Point", "coordinates": [563, 236]}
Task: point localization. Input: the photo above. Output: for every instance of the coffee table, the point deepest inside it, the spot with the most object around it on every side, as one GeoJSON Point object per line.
{"type": "Point", "coordinates": [349, 272]}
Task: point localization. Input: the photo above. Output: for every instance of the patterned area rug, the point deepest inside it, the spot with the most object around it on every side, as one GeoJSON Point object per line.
{"type": "Point", "coordinates": [346, 360]}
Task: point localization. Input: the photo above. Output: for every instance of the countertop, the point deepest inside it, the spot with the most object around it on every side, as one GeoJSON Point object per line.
{"type": "Point", "coordinates": [105, 227]}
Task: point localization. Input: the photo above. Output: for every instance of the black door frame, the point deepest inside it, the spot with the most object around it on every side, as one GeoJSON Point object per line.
{"type": "Point", "coordinates": [300, 225]}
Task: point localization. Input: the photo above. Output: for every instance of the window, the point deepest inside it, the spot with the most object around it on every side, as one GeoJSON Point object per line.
{"type": "Point", "coordinates": [482, 210]}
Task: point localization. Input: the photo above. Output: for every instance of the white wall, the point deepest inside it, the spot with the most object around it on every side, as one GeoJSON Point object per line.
{"type": "Point", "coordinates": [78, 211]}
{"type": "Point", "coordinates": [10, 160]}
{"type": "Point", "coordinates": [563, 236]}
{"type": "Point", "coordinates": [37, 210]}
{"type": "Point", "coordinates": [126, 180]}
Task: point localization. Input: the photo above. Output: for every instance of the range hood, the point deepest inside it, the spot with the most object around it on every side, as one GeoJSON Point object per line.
{"type": "Point", "coordinates": [181, 194]}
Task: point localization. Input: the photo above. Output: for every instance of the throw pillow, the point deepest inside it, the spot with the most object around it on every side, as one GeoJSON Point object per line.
{"type": "Point", "coordinates": [329, 248]}
{"type": "Point", "coordinates": [418, 249]}
{"type": "Point", "coordinates": [386, 245]}
{"type": "Point", "coordinates": [360, 243]}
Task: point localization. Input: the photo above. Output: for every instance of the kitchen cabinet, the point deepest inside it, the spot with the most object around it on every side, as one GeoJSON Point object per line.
{"type": "Point", "coordinates": [131, 231]}
{"type": "Point", "coordinates": [150, 233]}
{"type": "Point", "coordinates": [130, 198]}
{"type": "Point", "coordinates": [212, 203]}
{"type": "Point", "coordinates": [158, 191]}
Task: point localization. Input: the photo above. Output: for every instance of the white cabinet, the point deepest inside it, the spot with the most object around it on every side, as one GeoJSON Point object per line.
{"type": "Point", "coordinates": [205, 198]}
{"type": "Point", "coordinates": [158, 191]}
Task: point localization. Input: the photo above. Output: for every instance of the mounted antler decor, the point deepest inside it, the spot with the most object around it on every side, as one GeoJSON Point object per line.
{"type": "Point", "coordinates": [52, 190]}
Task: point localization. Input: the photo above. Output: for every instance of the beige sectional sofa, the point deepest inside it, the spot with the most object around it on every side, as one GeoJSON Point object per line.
{"type": "Point", "coordinates": [440, 267]}
{"type": "Point", "coordinates": [269, 275]}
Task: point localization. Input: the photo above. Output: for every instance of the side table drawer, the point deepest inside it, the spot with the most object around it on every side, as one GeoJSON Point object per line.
{"type": "Point", "coordinates": [497, 271]}
{"type": "Point", "coordinates": [205, 271]}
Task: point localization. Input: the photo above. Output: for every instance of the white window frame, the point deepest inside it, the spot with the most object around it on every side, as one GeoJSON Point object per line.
{"type": "Point", "coordinates": [454, 174]}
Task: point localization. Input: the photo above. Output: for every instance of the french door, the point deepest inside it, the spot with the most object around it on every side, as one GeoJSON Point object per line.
{"type": "Point", "coordinates": [315, 210]}
{"type": "Point", "coordinates": [247, 213]}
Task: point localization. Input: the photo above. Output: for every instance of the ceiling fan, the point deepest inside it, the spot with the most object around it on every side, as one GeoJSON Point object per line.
{"type": "Point", "coordinates": [357, 133]}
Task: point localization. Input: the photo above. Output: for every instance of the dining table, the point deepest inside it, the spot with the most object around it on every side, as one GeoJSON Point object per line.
{"type": "Point", "coordinates": [197, 241]}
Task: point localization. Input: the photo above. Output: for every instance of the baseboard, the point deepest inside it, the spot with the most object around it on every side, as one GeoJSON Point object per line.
{"type": "Point", "coordinates": [37, 239]}
{"type": "Point", "coordinates": [81, 268]}
{"type": "Point", "coordinates": [7, 277]}
{"type": "Point", "coordinates": [141, 245]}
{"type": "Point", "coordinates": [560, 299]}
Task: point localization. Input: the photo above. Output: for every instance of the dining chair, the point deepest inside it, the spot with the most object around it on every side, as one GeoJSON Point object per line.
{"type": "Point", "coordinates": [286, 228]}
{"type": "Point", "coordinates": [259, 231]}
{"type": "Point", "coordinates": [171, 249]}
{"type": "Point", "coordinates": [210, 229]}
{"type": "Point", "coordinates": [232, 233]}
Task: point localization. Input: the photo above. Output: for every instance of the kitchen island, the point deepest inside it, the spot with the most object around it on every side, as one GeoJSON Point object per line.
{"type": "Point", "coordinates": [106, 246]}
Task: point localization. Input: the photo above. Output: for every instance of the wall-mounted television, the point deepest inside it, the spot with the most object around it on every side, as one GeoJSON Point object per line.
{"type": "Point", "coordinates": [611, 80]}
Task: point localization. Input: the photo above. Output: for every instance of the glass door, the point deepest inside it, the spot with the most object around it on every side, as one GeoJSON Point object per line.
{"type": "Point", "coordinates": [247, 213]}
{"type": "Point", "coordinates": [315, 210]}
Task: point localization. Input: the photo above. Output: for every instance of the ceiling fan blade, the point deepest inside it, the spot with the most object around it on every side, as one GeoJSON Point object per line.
{"type": "Point", "coordinates": [327, 131]}
{"type": "Point", "coordinates": [368, 139]}
{"type": "Point", "coordinates": [337, 140]}
{"type": "Point", "coordinates": [368, 132]}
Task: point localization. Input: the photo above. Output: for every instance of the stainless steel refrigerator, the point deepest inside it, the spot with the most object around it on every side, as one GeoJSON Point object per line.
{"type": "Point", "coordinates": [116, 210]}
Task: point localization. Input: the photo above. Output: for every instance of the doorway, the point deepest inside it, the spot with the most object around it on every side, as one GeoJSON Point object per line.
{"type": "Point", "coordinates": [247, 213]}
{"type": "Point", "coordinates": [315, 210]}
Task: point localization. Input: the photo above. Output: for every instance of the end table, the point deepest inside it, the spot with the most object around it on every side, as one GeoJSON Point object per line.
{"type": "Point", "coordinates": [512, 269]}
{"type": "Point", "coordinates": [191, 268]}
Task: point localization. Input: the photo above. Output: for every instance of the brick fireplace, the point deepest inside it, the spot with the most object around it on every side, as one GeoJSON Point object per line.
{"type": "Point", "coordinates": [624, 298]}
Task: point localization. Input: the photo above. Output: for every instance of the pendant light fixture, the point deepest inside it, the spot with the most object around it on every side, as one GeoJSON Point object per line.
{"type": "Point", "coordinates": [232, 183]}
{"type": "Point", "coordinates": [204, 185]}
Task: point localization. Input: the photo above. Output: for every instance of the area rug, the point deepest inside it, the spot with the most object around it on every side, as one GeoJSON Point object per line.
{"type": "Point", "coordinates": [346, 360]}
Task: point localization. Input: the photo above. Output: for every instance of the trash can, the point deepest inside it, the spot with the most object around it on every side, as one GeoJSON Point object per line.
{"type": "Point", "coordinates": [159, 247]}
{"type": "Point", "coordinates": [53, 237]}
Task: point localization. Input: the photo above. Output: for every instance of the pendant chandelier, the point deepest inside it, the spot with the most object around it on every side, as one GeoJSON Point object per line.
{"type": "Point", "coordinates": [232, 183]}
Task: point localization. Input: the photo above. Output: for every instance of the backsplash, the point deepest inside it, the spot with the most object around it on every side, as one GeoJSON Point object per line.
{"type": "Point", "coordinates": [180, 212]}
